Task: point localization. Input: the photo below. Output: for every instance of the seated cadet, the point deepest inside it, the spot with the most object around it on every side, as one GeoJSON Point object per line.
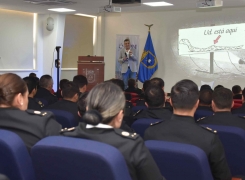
{"type": "Point", "coordinates": [30, 125]}
{"type": "Point", "coordinates": [132, 87]}
{"type": "Point", "coordinates": [70, 93]}
{"type": "Point", "coordinates": [240, 110]}
{"type": "Point", "coordinates": [222, 103]}
{"type": "Point", "coordinates": [44, 92]}
{"type": "Point", "coordinates": [58, 93]}
{"type": "Point", "coordinates": [154, 100]}
{"type": "Point", "coordinates": [105, 104]}
{"type": "Point", "coordinates": [32, 89]}
{"type": "Point", "coordinates": [82, 82]}
{"type": "Point", "coordinates": [183, 129]}
{"type": "Point", "coordinates": [205, 100]}
{"type": "Point", "coordinates": [237, 92]}
{"type": "Point", "coordinates": [141, 100]}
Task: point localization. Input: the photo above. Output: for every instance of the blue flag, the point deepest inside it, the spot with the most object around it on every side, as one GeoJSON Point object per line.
{"type": "Point", "coordinates": [148, 62]}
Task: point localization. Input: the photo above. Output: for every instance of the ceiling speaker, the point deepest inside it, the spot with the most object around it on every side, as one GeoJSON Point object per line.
{"type": "Point", "coordinates": [125, 1]}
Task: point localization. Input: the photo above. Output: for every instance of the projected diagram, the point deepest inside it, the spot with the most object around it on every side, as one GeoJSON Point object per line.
{"type": "Point", "coordinates": [215, 51]}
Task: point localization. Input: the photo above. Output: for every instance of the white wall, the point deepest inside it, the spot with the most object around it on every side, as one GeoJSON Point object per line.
{"type": "Point", "coordinates": [172, 67]}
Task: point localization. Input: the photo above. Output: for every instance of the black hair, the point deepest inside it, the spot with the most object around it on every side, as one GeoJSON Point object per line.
{"type": "Point", "coordinates": [158, 82]}
{"type": "Point", "coordinates": [236, 89]}
{"type": "Point", "coordinates": [62, 83]}
{"type": "Point", "coordinates": [205, 96]}
{"type": "Point", "coordinates": [218, 86]}
{"type": "Point", "coordinates": [154, 96]}
{"type": "Point", "coordinates": [80, 80]}
{"type": "Point", "coordinates": [146, 84]}
{"type": "Point", "coordinates": [118, 82]}
{"type": "Point", "coordinates": [31, 83]}
{"type": "Point", "coordinates": [223, 98]}
{"type": "Point", "coordinates": [69, 89]}
{"type": "Point", "coordinates": [184, 94]}
{"type": "Point", "coordinates": [131, 83]}
{"type": "Point", "coordinates": [81, 103]}
{"type": "Point", "coordinates": [205, 86]}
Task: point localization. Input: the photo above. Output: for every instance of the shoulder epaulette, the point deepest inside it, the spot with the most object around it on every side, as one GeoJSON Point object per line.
{"type": "Point", "coordinates": [40, 113]}
{"type": "Point", "coordinates": [126, 134]}
{"type": "Point", "coordinates": [139, 111]}
{"type": "Point", "coordinates": [67, 129]}
{"type": "Point", "coordinates": [40, 103]}
{"type": "Point", "coordinates": [152, 124]}
{"type": "Point", "coordinates": [200, 119]}
{"type": "Point", "coordinates": [209, 129]}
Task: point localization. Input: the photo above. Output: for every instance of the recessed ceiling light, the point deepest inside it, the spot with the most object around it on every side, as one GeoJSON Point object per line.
{"type": "Point", "coordinates": [158, 4]}
{"type": "Point", "coordinates": [61, 10]}
{"type": "Point", "coordinates": [86, 15]}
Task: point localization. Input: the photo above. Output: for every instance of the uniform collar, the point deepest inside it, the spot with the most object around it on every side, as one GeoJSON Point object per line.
{"type": "Point", "coordinates": [222, 112]}
{"type": "Point", "coordinates": [102, 126]}
{"type": "Point", "coordinates": [183, 118]}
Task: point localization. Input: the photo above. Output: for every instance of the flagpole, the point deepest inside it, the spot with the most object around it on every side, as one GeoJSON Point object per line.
{"type": "Point", "coordinates": [149, 26]}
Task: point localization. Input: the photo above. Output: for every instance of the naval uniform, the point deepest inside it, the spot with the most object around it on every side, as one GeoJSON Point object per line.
{"type": "Point", "coordinates": [225, 119]}
{"type": "Point", "coordinates": [34, 104]}
{"type": "Point", "coordinates": [138, 158]}
{"type": "Point", "coordinates": [46, 94]}
{"type": "Point", "coordinates": [66, 105]}
{"type": "Point", "coordinates": [30, 125]}
{"type": "Point", "coordinates": [183, 129]}
{"type": "Point", "coordinates": [240, 110]}
{"type": "Point", "coordinates": [154, 113]}
{"type": "Point", "coordinates": [206, 108]}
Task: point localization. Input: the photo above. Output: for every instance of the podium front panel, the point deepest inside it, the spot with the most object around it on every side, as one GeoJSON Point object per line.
{"type": "Point", "coordinates": [94, 72]}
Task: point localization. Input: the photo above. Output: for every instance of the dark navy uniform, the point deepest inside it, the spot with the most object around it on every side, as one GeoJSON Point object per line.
{"type": "Point", "coordinates": [66, 105]}
{"type": "Point", "coordinates": [30, 125]}
{"type": "Point", "coordinates": [237, 96]}
{"type": "Point", "coordinates": [240, 110]}
{"type": "Point", "coordinates": [138, 158]}
{"type": "Point", "coordinates": [224, 119]}
{"type": "Point", "coordinates": [34, 104]}
{"type": "Point", "coordinates": [183, 129]}
{"type": "Point", "coordinates": [206, 108]}
{"type": "Point", "coordinates": [154, 113]}
{"type": "Point", "coordinates": [46, 94]}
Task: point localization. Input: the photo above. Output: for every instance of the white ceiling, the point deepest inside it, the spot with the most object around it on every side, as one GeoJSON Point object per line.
{"type": "Point", "coordinates": [92, 6]}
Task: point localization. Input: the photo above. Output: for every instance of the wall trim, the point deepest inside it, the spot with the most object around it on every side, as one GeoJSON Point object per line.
{"type": "Point", "coordinates": [68, 69]}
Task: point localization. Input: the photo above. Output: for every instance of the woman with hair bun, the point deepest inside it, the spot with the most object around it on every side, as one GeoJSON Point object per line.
{"type": "Point", "coordinates": [30, 125]}
{"type": "Point", "coordinates": [105, 104]}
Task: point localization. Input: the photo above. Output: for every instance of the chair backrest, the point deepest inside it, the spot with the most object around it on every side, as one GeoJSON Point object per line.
{"type": "Point", "coordinates": [15, 161]}
{"type": "Point", "coordinates": [141, 125]}
{"type": "Point", "coordinates": [239, 101]}
{"type": "Point", "coordinates": [65, 118]}
{"type": "Point", "coordinates": [202, 113]}
{"type": "Point", "coordinates": [137, 108]}
{"type": "Point", "coordinates": [237, 105]}
{"type": "Point", "coordinates": [180, 161]}
{"type": "Point", "coordinates": [68, 158]}
{"type": "Point", "coordinates": [233, 140]}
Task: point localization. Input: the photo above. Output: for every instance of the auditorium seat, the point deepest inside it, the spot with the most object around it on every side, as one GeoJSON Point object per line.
{"type": "Point", "coordinates": [238, 101]}
{"type": "Point", "coordinates": [180, 161]}
{"type": "Point", "coordinates": [140, 125]}
{"type": "Point", "coordinates": [202, 113]}
{"type": "Point", "coordinates": [65, 118]}
{"type": "Point", "coordinates": [68, 158]}
{"type": "Point", "coordinates": [15, 161]}
{"type": "Point", "coordinates": [233, 140]}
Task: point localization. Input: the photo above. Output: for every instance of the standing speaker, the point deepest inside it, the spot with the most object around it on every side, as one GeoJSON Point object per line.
{"type": "Point", "coordinates": [125, 1]}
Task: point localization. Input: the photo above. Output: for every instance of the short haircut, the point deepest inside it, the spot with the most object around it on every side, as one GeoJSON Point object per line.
{"type": "Point", "coordinates": [80, 80]}
{"type": "Point", "coordinates": [205, 86]}
{"type": "Point", "coordinates": [127, 39]}
{"type": "Point", "coordinates": [236, 89]}
{"type": "Point", "coordinates": [131, 83]}
{"type": "Point", "coordinates": [158, 82]}
{"type": "Point", "coordinates": [154, 96]}
{"type": "Point", "coordinates": [81, 103]}
{"type": "Point", "coordinates": [32, 75]}
{"type": "Point", "coordinates": [62, 83]}
{"type": "Point", "coordinates": [222, 98]}
{"type": "Point", "coordinates": [45, 81]}
{"type": "Point", "coordinates": [31, 83]}
{"type": "Point", "coordinates": [243, 93]}
{"type": "Point", "coordinates": [69, 89]}
{"type": "Point", "coordinates": [118, 82]}
{"type": "Point", "coordinates": [205, 96]}
{"type": "Point", "coordinates": [218, 86]}
{"type": "Point", "coordinates": [184, 95]}
{"type": "Point", "coordinates": [146, 84]}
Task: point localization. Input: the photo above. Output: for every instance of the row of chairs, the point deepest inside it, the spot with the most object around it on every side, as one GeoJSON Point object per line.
{"type": "Point", "coordinates": [232, 138]}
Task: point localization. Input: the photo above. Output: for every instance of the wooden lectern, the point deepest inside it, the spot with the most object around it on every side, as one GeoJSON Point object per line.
{"type": "Point", "coordinates": [91, 67]}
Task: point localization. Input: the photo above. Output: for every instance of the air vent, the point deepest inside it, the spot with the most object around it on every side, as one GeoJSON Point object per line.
{"type": "Point", "coordinates": [50, 2]}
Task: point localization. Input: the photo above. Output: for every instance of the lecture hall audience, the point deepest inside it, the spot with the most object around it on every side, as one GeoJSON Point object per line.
{"type": "Point", "coordinates": [30, 125]}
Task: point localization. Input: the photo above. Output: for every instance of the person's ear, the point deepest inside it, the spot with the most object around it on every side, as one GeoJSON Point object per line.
{"type": "Point", "coordinates": [78, 113]}
{"type": "Point", "coordinates": [170, 101]}
{"type": "Point", "coordinates": [19, 100]}
{"type": "Point", "coordinates": [213, 105]}
{"type": "Point", "coordinates": [61, 93]}
{"type": "Point", "coordinates": [232, 104]}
